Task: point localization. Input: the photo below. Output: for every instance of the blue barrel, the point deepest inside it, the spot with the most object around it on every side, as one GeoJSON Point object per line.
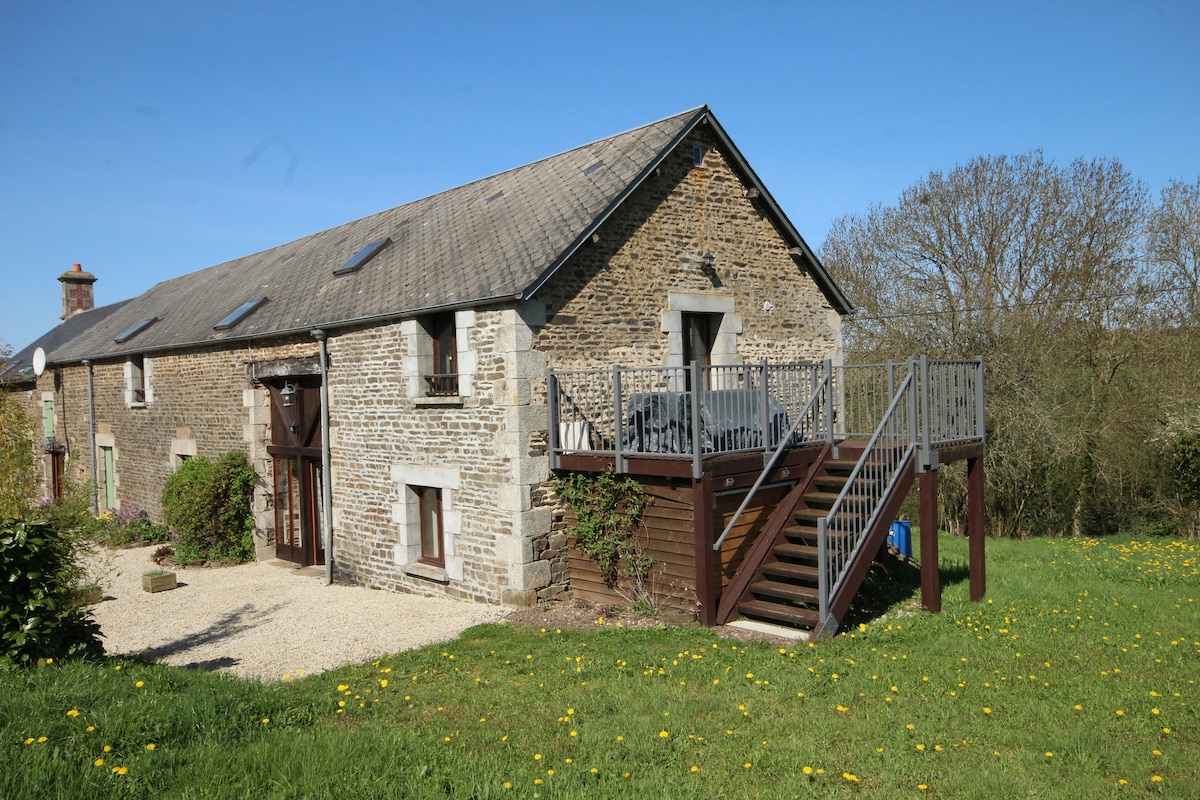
{"type": "Point", "coordinates": [900, 537]}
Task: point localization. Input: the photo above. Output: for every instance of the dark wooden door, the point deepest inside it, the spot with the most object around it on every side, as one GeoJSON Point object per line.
{"type": "Point", "coordinates": [298, 510]}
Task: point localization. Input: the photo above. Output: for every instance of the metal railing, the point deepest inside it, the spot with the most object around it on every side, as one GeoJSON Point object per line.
{"type": "Point", "coordinates": [623, 411]}
{"type": "Point", "coordinates": [843, 530]}
{"type": "Point", "coordinates": [685, 412]}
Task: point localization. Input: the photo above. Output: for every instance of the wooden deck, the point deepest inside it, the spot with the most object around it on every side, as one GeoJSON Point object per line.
{"type": "Point", "coordinates": [737, 524]}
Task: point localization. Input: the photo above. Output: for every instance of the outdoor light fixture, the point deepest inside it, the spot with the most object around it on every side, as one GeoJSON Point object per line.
{"type": "Point", "coordinates": [287, 395]}
{"type": "Point", "coordinates": [709, 258]}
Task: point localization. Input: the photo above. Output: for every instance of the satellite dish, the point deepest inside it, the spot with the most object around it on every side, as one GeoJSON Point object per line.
{"type": "Point", "coordinates": [39, 362]}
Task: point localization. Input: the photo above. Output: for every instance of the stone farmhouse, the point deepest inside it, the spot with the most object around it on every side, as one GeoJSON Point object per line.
{"type": "Point", "coordinates": [389, 378]}
{"type": "Point", "coordinates": [438, 320]}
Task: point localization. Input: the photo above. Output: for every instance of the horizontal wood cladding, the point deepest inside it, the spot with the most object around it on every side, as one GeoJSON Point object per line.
{"type": "Point", "coordinates": [667, 536]}
{"type": "Point", "coordinates": [669, 527]}
{"type": "Point", "coordinates": [748, 526]}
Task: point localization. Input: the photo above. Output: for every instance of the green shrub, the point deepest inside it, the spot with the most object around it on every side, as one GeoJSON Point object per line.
{"type": "Point", "coordinates": [18, 477]}
{"type": "Point", "coordinates": [128, 525]}
{"type": "Point", "coordinates": [40, 615]}
{"type": "Point", "coordinates": [209, 506]}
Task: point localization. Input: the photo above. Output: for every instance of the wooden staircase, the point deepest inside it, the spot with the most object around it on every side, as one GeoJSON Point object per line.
{"type": "Point", "coordinates": [779, 581]}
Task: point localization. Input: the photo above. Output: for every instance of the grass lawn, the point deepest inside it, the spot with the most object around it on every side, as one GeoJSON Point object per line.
{"type": "Point", "coordinates": [1075, 678]}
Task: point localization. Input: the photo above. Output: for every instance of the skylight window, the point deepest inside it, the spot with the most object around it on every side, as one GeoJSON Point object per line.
{"type": "Point", "coordinates": [359, 259]}
{"type": "Point", "coordinates": [240, 313]}
{"type": "Point", "coordinates": [136, 329]}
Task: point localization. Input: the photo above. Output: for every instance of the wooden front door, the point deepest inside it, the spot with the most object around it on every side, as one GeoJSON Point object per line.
{"type": "Point", "coordinates": [299, 510]}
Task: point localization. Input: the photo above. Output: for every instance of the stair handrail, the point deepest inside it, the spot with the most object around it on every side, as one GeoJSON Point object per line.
{"type": "Point", "coordinates": [823, 585]}
{"type": "Point", "coordinates": [820, 389]}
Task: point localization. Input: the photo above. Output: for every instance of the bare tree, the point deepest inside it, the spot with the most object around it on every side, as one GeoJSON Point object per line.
{"type": "Point", "coordinates": [1039, 269]}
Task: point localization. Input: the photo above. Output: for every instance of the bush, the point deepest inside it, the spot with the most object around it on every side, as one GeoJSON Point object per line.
{"type": "Point", "coordinates": [18, 476]}
{"type": "Point", "coordinates": [209, 507]}
{"type": "Point", "coordinates": [40, 615]}
{"type": "Point", "coordinates": [129, 525]}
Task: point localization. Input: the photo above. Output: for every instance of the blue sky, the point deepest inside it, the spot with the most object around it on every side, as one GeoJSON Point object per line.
{"type": "Point", "coordinates": [148, 140]}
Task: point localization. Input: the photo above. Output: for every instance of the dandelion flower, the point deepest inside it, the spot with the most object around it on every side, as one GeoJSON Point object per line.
{"type": "Point", "coordinates": [695, 768]}
{"type": "Point", "coordinates": [663, 734]}
{"type": "Point", "coordinates": [151, 746]}
{"type": "Point", "coordinates": [537, 756]}
{"type": "Point", "coordinates": [140, 684]}
{"type": "Point", "coordinates": [1156, 778]}
{"type": "Point", "coordinates": [99, 762]}
{"type": "Point", "coordinates": [120, 770]}
{"type": "Point", "coordinates": [850, 776]}
{"type": "Point", "coordinates": [42, 739]}
{"type": "Point", "coordinates": [807, 770]}
{"type": "Point", "coordinates": [537, 781]}
{"type": "Point", "coordinates": [508, 784]}
{"type": "Point", "coordinates": [75, 713]}
{"type": "Point", "coordinates": [266, 720]}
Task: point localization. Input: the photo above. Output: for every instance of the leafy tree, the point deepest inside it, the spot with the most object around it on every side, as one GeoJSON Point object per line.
{"type": "Point", "coordinates": [18, 475]}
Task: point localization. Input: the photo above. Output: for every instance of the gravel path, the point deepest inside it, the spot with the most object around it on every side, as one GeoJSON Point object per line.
{"type": "Point", "coordinates": [267, 619]}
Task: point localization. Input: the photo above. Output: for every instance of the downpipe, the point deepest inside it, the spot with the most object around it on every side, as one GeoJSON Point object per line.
{"type": "Point", "coordinates": [87, 362]}
{"type": "Point", "coordinates": [327, 483]}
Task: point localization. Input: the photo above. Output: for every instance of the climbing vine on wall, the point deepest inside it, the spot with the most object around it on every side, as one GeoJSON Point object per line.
{"type": "Point", "coordinates": [607, 512]}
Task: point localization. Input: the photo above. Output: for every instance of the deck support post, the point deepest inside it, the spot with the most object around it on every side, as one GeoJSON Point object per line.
{"type": "Point", "coordinates": [931, 584]}
{"type": "Point", "coordinates": [975, 533]}
{"type": "Point", "coordinates": [707, 580]}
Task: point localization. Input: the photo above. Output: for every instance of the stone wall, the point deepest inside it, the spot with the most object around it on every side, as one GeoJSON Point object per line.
{"type": "Point", "coordinates": [616, 301]}
{"type": "Point", "coordinates": [198, 403]}
{"type": "Point", "coordinates": [619, 299]}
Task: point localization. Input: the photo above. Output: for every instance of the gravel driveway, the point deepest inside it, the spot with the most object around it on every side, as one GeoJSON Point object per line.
{"type": "Point", "coordinates": [265, 619]}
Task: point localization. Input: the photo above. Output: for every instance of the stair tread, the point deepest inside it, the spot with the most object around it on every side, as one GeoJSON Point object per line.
{"type": "Point", "coordinates": [789, 615]}
{"type": "Point", "coordinates": [790, 591]}
{"type": "Point", "coordinates": [805, 572]}
{"type": "Point", "coordinates": [790, 550]}
{"type": "Point", "coordinates": [831, 497]}
{"type": "Point", "coordinates": [821, 513]}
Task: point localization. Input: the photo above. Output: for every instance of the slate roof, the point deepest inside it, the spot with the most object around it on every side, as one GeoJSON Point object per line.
{"type": "Point", "coordinates": [494, 239]}
{"type": "Point", "coordinates": [18, 370]}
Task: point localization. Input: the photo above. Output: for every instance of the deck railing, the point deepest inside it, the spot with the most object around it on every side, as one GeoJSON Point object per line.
{"type": "Point", "coordinates": [652, 411]}
{"type": "Point", "coordinates": [842, 532]}
{"type": "Point", "coordinates": [623, 412]}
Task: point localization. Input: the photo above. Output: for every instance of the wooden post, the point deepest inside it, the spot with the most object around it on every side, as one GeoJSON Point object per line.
{"type": "Point", "coordinates": [931, 584]}
{"type": "Point", "coordinates": [975, 532]}
{"type": "Point", "coordinates": [706, 558]}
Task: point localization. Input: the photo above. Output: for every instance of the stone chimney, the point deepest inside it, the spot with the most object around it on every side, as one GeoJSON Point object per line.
{"type": "Point", "coordinates": [77, 293]}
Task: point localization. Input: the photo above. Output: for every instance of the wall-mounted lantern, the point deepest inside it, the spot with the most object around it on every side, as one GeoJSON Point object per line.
{"type": "Point", "coordinates": [287, 395]}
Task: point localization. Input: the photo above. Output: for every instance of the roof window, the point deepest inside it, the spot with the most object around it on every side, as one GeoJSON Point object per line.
{"type": "Point", "coordinates": [359, 259]}
{"type": "Point", "coordinates": [240, 313]}
{"type": "Point", "coordinates": [136, 329]}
